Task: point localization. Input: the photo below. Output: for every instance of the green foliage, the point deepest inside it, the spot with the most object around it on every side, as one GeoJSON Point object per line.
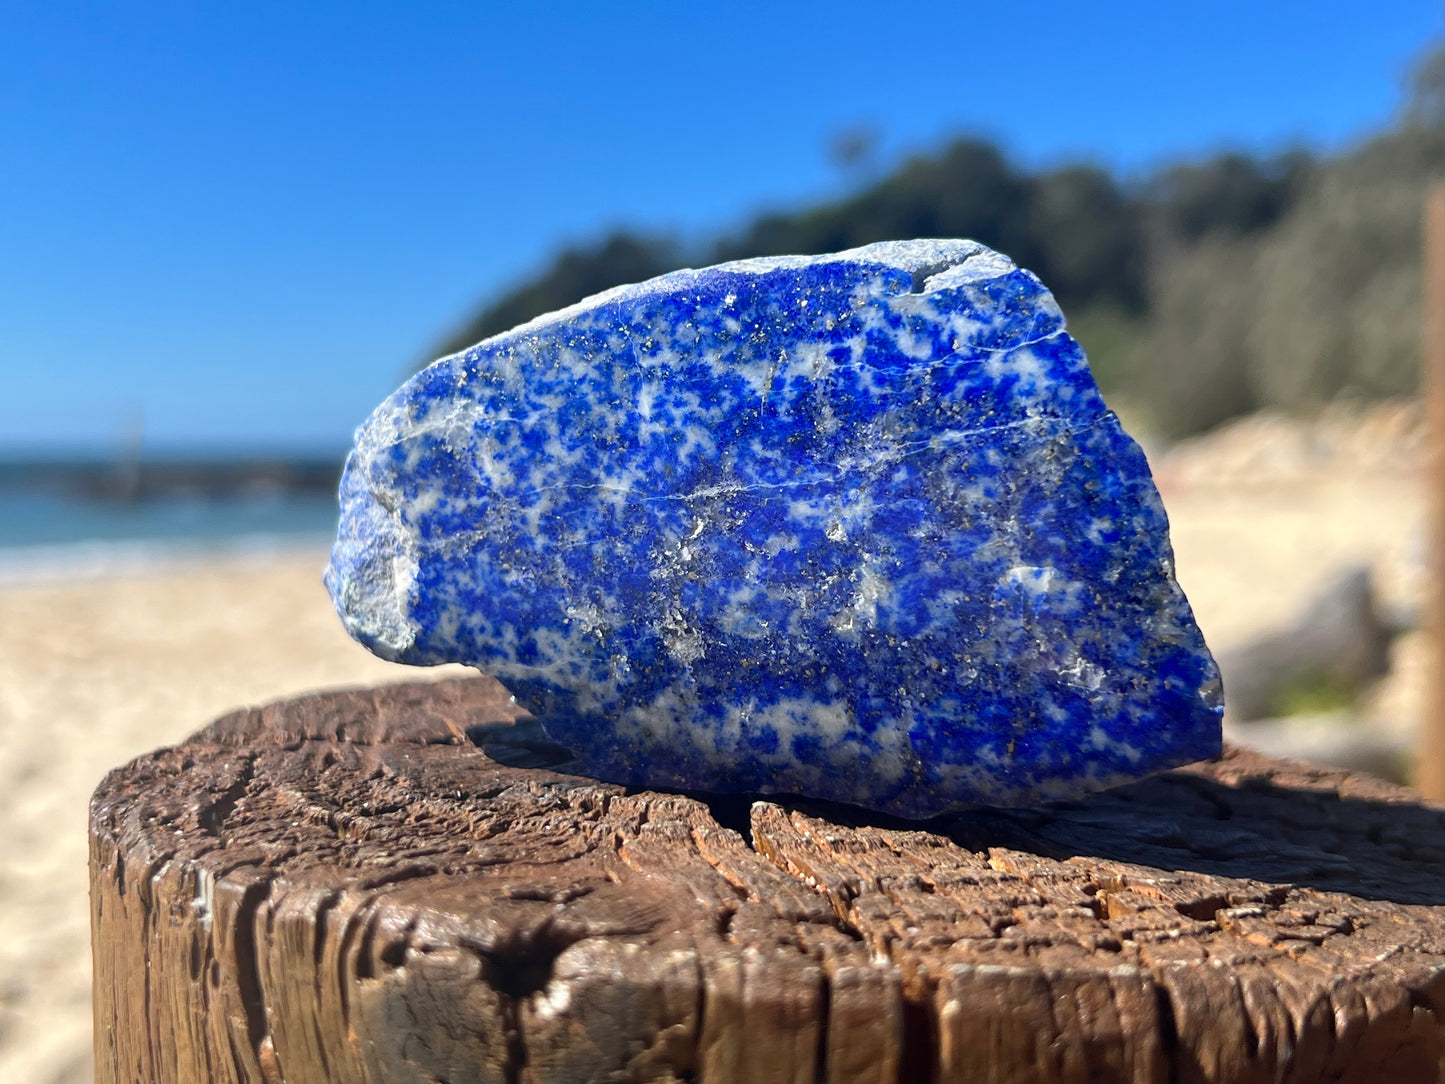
{"type": "Point", "coordinates": [1109, 334]}
{"type": "Point", "coordinates": [1230, 194]}
{"type": "Point", "coordinates": [1190, 365]}
{"type": "Point", "coordinates": [573, 275]}
{"type": "Point", "coordinates": [1074, 227]}
{"type": "Point", "coordinates": [1209, 289]}
{"type": "Point", "coordinates": [1323, 303]}
{"type": "Point", "coordinates": [1315, 692]}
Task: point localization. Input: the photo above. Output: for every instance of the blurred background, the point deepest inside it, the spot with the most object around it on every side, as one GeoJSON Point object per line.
{"type": "Point", "coordinates": [226, 234]}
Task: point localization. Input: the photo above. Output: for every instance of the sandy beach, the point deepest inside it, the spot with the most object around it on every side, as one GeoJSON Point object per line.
{"type": "Point", "coordinates": [94, 671]}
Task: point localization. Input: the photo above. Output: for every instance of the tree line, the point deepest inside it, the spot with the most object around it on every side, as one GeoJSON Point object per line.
{"type": "Point", "coordinates": [1205, 290]}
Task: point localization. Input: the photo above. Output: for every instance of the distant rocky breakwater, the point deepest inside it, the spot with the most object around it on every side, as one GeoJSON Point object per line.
{"type": "Point", "coordinates": [171, 477]}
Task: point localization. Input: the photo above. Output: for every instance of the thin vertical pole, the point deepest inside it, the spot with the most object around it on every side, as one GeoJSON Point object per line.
{"type": "Point", "coordinates": [1430, 762]}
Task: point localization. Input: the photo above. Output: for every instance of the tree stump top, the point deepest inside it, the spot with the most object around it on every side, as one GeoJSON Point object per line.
{"type": "Point", "coordinates": [406, 884]}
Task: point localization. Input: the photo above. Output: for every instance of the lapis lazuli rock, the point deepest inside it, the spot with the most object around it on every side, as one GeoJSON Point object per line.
{"type": "Point", "coordinates": [855, 526]}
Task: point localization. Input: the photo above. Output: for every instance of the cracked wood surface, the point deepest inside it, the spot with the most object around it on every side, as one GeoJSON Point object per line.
{"type": "Point", "coordinates": [405, 885]}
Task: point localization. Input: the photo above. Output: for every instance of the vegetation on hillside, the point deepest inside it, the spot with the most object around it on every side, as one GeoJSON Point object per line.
{"type": "Point", "coordinates": [1207, 290]}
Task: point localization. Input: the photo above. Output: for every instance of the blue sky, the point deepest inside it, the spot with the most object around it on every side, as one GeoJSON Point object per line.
{"type": "Point", "coordinates": [244, 222]}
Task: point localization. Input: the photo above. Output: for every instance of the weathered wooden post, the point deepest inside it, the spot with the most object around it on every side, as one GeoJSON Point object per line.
{"type": "Point", "coordinates": [1430, 767]}
{"type": "Point", "coordinates": [405, 885]}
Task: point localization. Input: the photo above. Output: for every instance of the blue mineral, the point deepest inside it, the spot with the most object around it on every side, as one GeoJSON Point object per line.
{"type": "Point", "coordinates": [855, 526]}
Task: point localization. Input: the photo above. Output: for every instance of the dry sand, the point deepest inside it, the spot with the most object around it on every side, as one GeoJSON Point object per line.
{"type": "Point", "coordinates": [93, 672]}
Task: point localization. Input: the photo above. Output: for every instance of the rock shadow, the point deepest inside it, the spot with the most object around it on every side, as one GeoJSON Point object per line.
{"type": "Point", "coordinates": [1374, 846]}
{"type": "Point", "coordinates": [1258, 820]}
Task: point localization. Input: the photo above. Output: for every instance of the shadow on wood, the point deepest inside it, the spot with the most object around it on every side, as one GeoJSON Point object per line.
{"type": "Point", "coordinates": [399, 885]}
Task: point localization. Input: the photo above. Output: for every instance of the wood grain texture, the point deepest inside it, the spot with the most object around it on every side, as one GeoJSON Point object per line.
{"type": "Point", "coordinates": [406, 885]}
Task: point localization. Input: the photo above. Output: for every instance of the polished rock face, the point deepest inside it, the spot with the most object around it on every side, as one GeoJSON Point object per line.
{"type": "Point", "coordinates": [855, 526]}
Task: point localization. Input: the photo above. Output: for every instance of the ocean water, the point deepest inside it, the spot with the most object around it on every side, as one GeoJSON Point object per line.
{"type": "Point", "coordinates": [46, 534]}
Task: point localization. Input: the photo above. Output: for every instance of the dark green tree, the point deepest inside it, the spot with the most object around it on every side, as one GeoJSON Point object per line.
{"type": "Point", "coordinates": [574, 274]}
{"type": "Point", "coordinates": [1230, 194]}
{"type": "Point", "coordinates": [1207, 289]}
